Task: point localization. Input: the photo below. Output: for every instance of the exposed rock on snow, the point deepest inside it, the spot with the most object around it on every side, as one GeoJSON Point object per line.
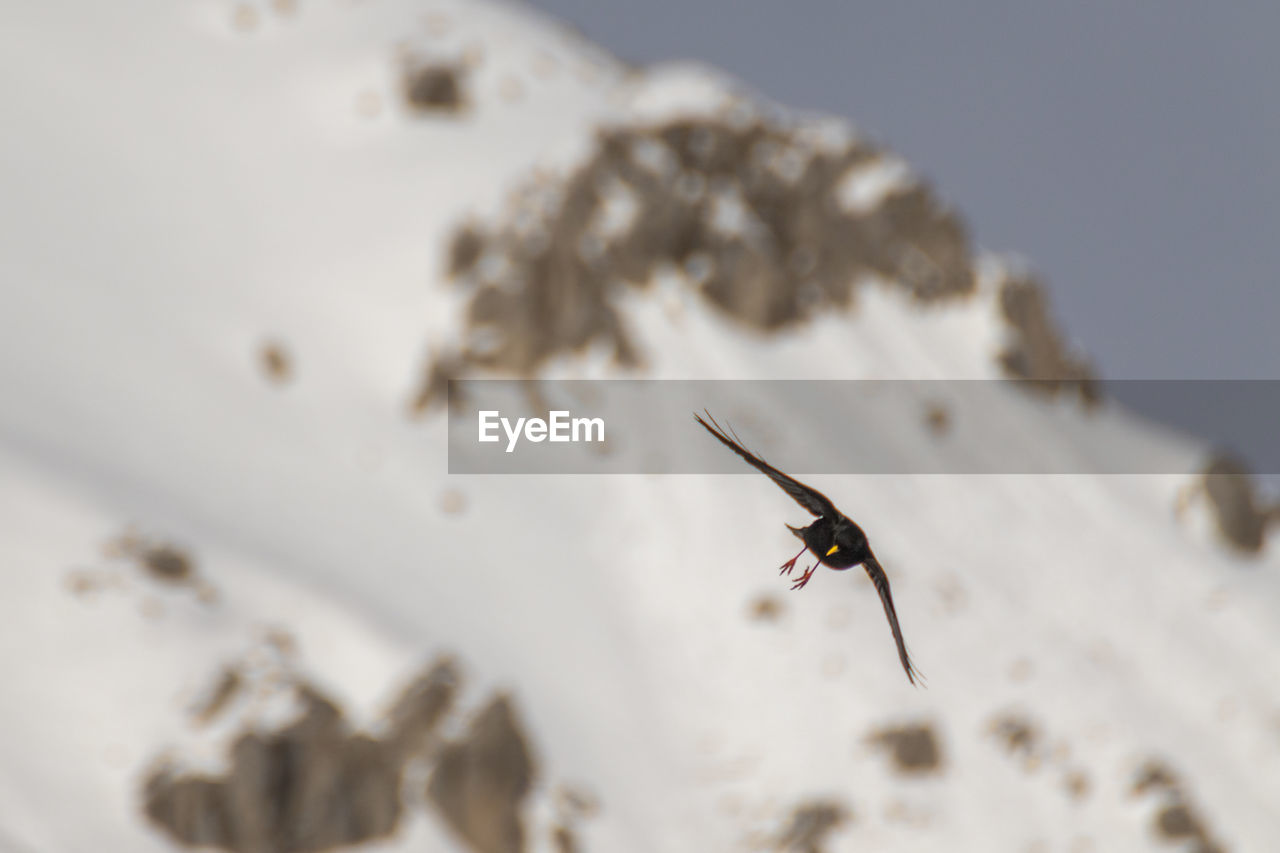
{"type": "Point", "coordinates": [480, 781]}
{"type": "Point", "coordinates": [1242, 514]}
{"type": "Point", "coordinates": [810, 825]}
{"type": "Point", "coordinates": [572, 805]}
{"type": "Point", "coordinates": [435, 87]}
{"type": "Point", "coordinates": [162, 561]}
{"type": "Point", "coordinates": [1018, 735]}
{"type": "Point", "coordinates": [914, 747]}
{"type": "Point", "coordinates": [277, 364]}
{"type": "Point", "coordinates": [312, 785]}
{"type": "Point", "coordinates": [230, 684]}
{"type": "Point", "coordinates": [1037, 350]}
{"type": "Point", "coordinates": [749, 211]}
{"type": "Point", "coordinates": [937, 417]}
{"type": "Point", "coordinates": [1177, 820]}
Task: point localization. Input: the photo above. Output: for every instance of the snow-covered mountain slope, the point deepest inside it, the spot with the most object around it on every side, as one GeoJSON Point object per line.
{"type": "Point", "coordinates": [235, 563]}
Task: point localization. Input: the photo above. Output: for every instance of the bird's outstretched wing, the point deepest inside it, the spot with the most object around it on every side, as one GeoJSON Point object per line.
{"type": "Point", "coordinates": [811, 499]}
{"type": "Point", "coordinates": [881, 580]}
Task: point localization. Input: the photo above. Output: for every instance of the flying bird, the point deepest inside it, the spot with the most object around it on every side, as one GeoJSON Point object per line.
{"type": "Point", "coordinates": [834, 538]}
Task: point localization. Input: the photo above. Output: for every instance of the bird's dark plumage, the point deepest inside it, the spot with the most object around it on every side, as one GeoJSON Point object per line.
{"type": "Point", "coordinates": [834, 538]}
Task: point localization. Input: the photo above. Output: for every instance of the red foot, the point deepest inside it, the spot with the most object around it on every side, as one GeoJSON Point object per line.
{"type": "Point", "coordinates": [804, 579]}
{"type": "Point", "coordinates": [791, 564]}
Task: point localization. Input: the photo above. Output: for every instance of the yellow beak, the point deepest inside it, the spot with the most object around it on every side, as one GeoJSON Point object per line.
{"type": "Point", "coordinates": [834, 548]}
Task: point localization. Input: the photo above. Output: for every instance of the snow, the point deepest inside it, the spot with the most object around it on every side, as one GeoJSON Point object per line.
{"type": "Point", "coordinates": [866, 185]}
{"type": "Point", "coordinates": [672, 90]}
{"type": "Point", "coordinates": [186, 181]}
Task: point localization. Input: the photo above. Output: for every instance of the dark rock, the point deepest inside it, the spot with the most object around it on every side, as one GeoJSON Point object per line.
{"type": "Point", "coordinates": [809, 826]}
{"type": "Point", "coordinates": [313, 785]}
{"type": "Point", "coordinates": [435, 88]}
{"type": "Point", "coordinates": [914, 748]}
{"type": "Point", "coordinates": [1037, 352]}
{"type": "Point", "coordinates": [479, 782]}
{"type": "Point", "coordinates": [797, 250]}
{"type": "Point", "coordinates": [1241, 514]}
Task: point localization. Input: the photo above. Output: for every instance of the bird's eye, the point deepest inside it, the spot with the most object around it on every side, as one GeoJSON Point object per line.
{"type": "Point", "coordinates": [834, 548]}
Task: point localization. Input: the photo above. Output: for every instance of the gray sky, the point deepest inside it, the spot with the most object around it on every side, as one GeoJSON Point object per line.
{"type": "Point", "coordinates": [1130, 151]}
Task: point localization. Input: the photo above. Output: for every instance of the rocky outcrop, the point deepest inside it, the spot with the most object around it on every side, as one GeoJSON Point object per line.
{"type": "Point", "coordinates": [480, 781]}
{"type": "Point", "coordinates": [1178, 821]}
{"type": "Point", "coordinates": [766, 222]}
{"type": "Point", "coordinates": [315, 784]}
{"type": "Point", "coordinates": [1240, 512]}
{"type": "Point", "coordinates": [1036, 350]}
{"type": "Point", "coordinates": [914, 748]}
{"type": "Point", "coordinates": [810, 824]}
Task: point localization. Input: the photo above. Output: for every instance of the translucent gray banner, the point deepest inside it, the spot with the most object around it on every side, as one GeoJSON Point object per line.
{"type": "Point", "coordinates": [500, 426]}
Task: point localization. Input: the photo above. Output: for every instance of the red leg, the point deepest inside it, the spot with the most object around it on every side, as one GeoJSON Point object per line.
{"type": "Point", "coordinates": [791, 564]}
{"type": "Point", "coordinates": [804, 579]}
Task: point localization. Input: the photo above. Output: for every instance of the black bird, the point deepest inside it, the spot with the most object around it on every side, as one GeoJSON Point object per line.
{"type": "Point", "coordinates": [834, 538]}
